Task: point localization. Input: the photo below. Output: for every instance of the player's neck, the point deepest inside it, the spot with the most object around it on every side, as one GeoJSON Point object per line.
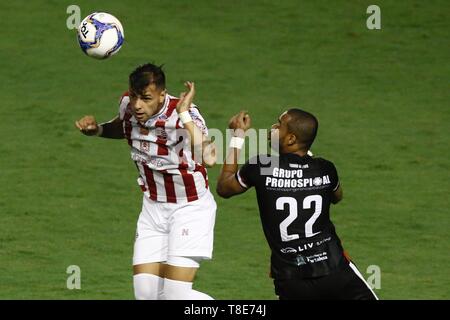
{"type": "Point", "coordinates": [296, 151]}
{"type": "Point", "coordinates": [158, 109]}
{"type": "Point", "coordinates": [301, 153]}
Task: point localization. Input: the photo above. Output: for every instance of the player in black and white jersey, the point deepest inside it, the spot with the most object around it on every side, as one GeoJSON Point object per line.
{"type": "Point", "coordinates": [295, 192]}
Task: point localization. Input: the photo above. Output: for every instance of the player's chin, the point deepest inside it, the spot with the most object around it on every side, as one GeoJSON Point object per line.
{"type": "Point", "coordinates": [142, 119]}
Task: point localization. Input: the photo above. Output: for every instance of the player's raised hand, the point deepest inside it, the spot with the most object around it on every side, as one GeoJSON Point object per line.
{"type": "Point", "coordinates": [186, 98]}
{"type": "Point", "coordinates": [240, 121]}
{"type": "Point", "coordinates": [87, 125]}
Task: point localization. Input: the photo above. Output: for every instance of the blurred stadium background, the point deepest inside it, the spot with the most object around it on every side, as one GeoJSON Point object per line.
{"type": "Point", "coordinates": [381, 96]}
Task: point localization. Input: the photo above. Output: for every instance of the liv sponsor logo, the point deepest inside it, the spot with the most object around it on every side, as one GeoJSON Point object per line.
{"type": "Point", "coordinates": [74, 278]}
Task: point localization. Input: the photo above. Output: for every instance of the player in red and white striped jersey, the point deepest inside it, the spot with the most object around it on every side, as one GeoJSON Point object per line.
{"type": "Point", "coordinates": [169, 145]}
{"type": "Point", "coordinates": [168, 172]}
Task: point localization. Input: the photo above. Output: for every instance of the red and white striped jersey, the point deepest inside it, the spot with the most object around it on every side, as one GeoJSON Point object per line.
{"type": "Point", "coordinates": [162, 153]}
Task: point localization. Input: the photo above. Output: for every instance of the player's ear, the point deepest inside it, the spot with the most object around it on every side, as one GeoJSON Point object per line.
{"type": "Point", "coordinates": [162, 95]}
{"type": "Point", "coordinates": [292, 139]}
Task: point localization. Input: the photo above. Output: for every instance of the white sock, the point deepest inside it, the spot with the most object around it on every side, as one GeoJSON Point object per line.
{"type": "Point", "coordinates": [182, 290]}
{"type": "Point", "coordinates": [148, 286]}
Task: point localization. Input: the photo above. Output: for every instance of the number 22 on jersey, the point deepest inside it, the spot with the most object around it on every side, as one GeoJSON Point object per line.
{"type": "Point", "coordinates": [293, 214]}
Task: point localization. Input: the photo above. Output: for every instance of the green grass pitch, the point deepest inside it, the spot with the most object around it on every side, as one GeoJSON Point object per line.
{"type": "Point", "coordinates": [381, 96]}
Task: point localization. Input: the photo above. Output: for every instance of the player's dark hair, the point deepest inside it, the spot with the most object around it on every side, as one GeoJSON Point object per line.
{"type": "Point", "coordinates": [145, 75]}
{"type": "Point", "coordinates": [304, 126]}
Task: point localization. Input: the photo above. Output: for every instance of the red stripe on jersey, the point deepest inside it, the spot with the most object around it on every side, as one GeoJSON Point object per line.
{"type": "Point", "coordinates": [127, 125]}
{"type": "Point", "coordinates": [169, 186]}
{"type": "Point", "coordinates": [160, 124]}
{"type": "Point", "coordinates": [203, 171]}
{"type": "Point", "coordinates": [172, 106]}
{"type": "Point", "coordinates": [150, 182]}
{"type": "Point", "coordinates": [189, 185]}
{"type": "Point", "coordinates": [143, 188]}
{"type": "Point", "coordinates": [183, 165]}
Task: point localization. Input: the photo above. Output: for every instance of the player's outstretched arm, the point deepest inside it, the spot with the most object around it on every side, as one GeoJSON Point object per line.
{"type": "Point", "coordinates": [202, 147]}
{"type": "Point", "coordinates": [112, 129]}
{"type": "Point", "coordinates": [227, 184]}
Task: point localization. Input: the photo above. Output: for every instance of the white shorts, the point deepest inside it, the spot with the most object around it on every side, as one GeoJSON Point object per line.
{"type": "Point", "coordinates": [175, 229]}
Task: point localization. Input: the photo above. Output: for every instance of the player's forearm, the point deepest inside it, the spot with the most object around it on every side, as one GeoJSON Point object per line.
{"type": "Point", "coordinates": [230, 166]}
{"type": "Point", "coordinates": [337, 195]}
{"type": "Point", "coordinates": [227, 173]}
{"type": "Point", "coordinates": [236, 144]}
{"type": "Point", "coordinates": [111, 130]}
{"type": "Point", "coordinates": [198, 143]}
{"type": "Point", "coordinates": [195, 135]}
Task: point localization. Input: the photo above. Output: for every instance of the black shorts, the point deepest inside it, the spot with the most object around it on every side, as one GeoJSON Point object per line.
{"type": "Point", "coordinates": [344, 284]}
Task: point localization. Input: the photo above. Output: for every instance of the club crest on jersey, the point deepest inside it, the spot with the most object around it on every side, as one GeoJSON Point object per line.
{"type": "Point", "coordinates": [143, 130]}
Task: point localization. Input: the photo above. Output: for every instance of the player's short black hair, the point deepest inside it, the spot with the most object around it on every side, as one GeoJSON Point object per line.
{"type": "Point", "coordinates": [304, 126]}
{"type": "Point", "coordinates": [145, 75]}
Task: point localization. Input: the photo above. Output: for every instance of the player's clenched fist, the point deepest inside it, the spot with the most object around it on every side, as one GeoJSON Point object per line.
{"type": "Point", "coordinates": [87, 125]}
{"type": "Point", "coordinates": [240, 122]}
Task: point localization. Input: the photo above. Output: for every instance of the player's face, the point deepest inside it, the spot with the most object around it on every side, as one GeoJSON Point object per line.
{"type": "Point", "coordinates": [279, 131]}
{"type": "Point", "coordinates": [147, 103]}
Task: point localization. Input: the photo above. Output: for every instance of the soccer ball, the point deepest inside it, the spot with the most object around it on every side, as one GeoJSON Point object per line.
{"type": "Point", "coordinates": [100, 35]}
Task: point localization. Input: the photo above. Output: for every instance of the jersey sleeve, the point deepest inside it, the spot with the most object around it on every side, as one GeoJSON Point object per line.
{"type": "Point", "coordinates": [123, 104]}
{"type": "Point", "coordinates": [198, 119]}
{"type": "Point", "coordinates": [334, 178]}
{"type": "Point", "coordinates": [246, 175]}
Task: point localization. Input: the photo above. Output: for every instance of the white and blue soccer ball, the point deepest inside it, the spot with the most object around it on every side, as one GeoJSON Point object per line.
{"type": "Point", "coordinates": [100, 35]}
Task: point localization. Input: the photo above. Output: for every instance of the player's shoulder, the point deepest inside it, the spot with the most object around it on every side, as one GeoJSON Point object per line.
{"type": "Point", "coordinates": [261, 160]}
{"type": "Point", "coordinates": [124, 102]}
{"type": "Point", "coordinates": [322, 162]}
{"type": "Point", "coordinates": [124, 99]}
{"type": "Point", "coordinates": [172, 99]}
{"type": "Point", "coordinates": [125, 95]}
